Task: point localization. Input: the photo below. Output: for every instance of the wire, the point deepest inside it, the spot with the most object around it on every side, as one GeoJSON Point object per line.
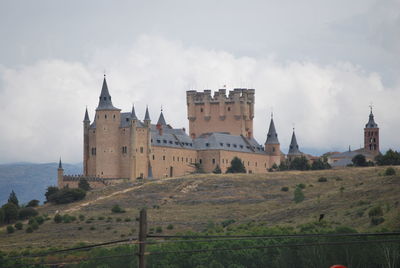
{"type": "Point", "coordinates": [274, 246]}
{"type": "Point", "coordinates": [278, 236]}
{"type": "Point", "coordinates": [74, 249]}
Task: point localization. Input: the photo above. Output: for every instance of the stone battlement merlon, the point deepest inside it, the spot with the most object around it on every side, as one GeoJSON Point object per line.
{"type": "Point", "coordinates": [237, 94]}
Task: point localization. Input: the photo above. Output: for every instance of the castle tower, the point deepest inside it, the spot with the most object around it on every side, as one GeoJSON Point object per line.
{"type": "Point", "coordinates": [148, 172]}
{"type": "Point", "coordinates": [107, 121]}
{"type": "Point", "coordinates": [220, 113]}
{"type": "Point", "coordinates": [133, 144]}
{"type": "Point", "coordinates": [371, 135]}
{"type": "Point", "coordinates": [60, 174]}
{"type": "Point", "coordinates": [86, 125]}
{"type": "Point", "coordinates": [294, 148]}
{"type": "Point", "coordinates": [272, 145]}
{"type": "Point", "coordinates": [161, 123]}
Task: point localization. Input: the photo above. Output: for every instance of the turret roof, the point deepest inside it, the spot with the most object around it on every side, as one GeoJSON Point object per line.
{"type": "Point", "coordinates": [133, 114]}
{"type": "Point", "coordinates": [105, 102]}
{"type": "Point", "coordinates": [147, 115]}
{"type": "Point", "coordinates": [86, 116]}
{"type": "Point", "coordinates": [161, 120]}
{"type": "Point", "coordinates": [272, 136]}
{"type": "Point", "coordinates": [60, 164]}
{"type": "Point", "coordinates": [371, 122]}
{"type": "Point", "coordinates": [294, 147]}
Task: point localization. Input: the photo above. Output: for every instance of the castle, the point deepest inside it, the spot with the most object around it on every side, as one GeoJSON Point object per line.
{"type": "Point", "coordinates": [118, 146]}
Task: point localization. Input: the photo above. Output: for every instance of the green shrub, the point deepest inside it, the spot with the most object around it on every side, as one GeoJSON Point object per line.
{"type": "Point", "coordinates": [10, 212]}
{"type": "Point", "coordinates": [377, 220]}
{"type": "Point", "coordinates": [80, 228]}
{"type": "Point", "coordinates": [127, 220]}
{"type": "Point", "coordinates": [170, 227]}
{"type": "Point", "coordinates": [375, 212]}
{"type": "Point", "coordinates": [108, 228]}
{"type": "Point", "coordinates": [159, 229]}
{"type": "Point", "coordinates": [225, 223]}
{"type": "Point", "coordinates": [298, 195]}
{"type": "Point", "coordinates": [58, 218]}
{"type": "Point", "coordinates": [26, 213]}
{"type": "Point", "coordinates": [285, 189]}
{"type": "Point", "coordinates": [67, 195]}
{"type": "Point", "coordinates": [322, 179]}
{"type": "Point", "coordinates": [10, 229]}
{"type": "Point", "coordinates": [84, 184]}
{"type": "Point", "coordinates": [92, 228]}
{"type": "Point", "coordinates": [34, 225]}
{"type": "Point", "coordinates": [39, 220]}
{"type": "Point", "coordinates": [236, 166]}
{"type": "Point", "coordinates": [100, 218]}
{"type": "Point", "coordinates": [217, 170]}
{"type": "Point", "coordinates": [301, 186]}
{"type": "Point", "coordinates": [19, 225]}
{"type": "Point", "coordinates": [88, 221]}
{"type": "Point", "coordinates": [33, 203]}
{"type": "Point", "coordinates": [81, 217]}
{"type": "Point", "coordinates": [119, 219]}
{"type": "Point", "coordinates": [390, 171]}
{"type": "Point", "coordinates": [117, 209]}
{"type": "Point", "coordinates": [29, 229]}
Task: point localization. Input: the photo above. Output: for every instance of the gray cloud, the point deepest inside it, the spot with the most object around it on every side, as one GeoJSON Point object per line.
{"type": "Point", "coordinates": [42, 104]}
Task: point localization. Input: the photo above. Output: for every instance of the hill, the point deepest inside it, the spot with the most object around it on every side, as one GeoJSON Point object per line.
{"type": "Point", "coordinates": [196, 201]}
{"type": "Point", "coordinates": [29, 180]}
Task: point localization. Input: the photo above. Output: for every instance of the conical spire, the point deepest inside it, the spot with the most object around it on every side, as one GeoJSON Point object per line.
{"type": "Point", "coordinates": [147, 115]}
{"type": "Point", "coordinates": [86, 119]}
{"type": "Point", "coordinates": [105, 102]}
{"type": "Point", "coordinates": [60, 164]}
{"type": "Point", "coordinates": [133, 114]}
{"type": "Point", "coordinates": [272, 136]}
{"type": "Point", "coordinates": [161, 120]}
{"type": "Point", "coordinates": [371, 122]}
{"type": "Point", "coordinates": [294, 147]}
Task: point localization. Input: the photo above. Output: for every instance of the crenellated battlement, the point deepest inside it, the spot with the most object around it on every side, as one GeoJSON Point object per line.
{"type": "Point", "coordinates": [235, 95]}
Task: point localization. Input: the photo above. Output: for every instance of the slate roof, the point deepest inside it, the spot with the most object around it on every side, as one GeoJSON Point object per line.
{"type": "Point", "coordinates": [105, 102]}
{"type": "Point", "coordinates": [161, 120]}
{"type": "Point", "coordinates": [133, 114]}
{"type": "Point", "coordinates": [147, 115]}
{"type": "Point", "coordinates": [86, 119]}
{"type": "Point", "coordinates": [272, 136]}
{"type": "Point", "coordinates": [371, 122]}
{"type": "Point", "coordinates": [294, 147]}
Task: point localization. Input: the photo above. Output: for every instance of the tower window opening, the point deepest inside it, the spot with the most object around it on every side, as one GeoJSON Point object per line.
{"type": "Point", "coordinates": [201, 110]}
{"type": "Point", "coordinates": [229, 109]}
{"type": "Point", "coordinates": [213, 161]}
{"type": "Point", "coordinates": [200, 161]}
{"type": "Point", "coordinates": [114, 116]}
{"type": "Point", "coordinates": [105, 116]}
{"type": "Point", "coordinates": [163, 158]}
{"type": "Point", "coordinates": [141, 150]}
{"type": "Point", "coordinates": [158, 141]}
{"type": "Point", "coordinates": [165, 141]}
{"type": "Point", "coordinates": [154, 157]}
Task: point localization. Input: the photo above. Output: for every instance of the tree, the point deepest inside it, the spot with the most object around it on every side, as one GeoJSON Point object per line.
{"type": "Point", "coordinates": [389, 158]}
{"type": "Point", "coordinates": [10, 212]}
{"type": "Point", "coordinates": [26, 213]}
{"type": "Point", "coordinates": [67, 195]}
{"type": "Point", "coordinates": [236, 166]}
{"type": "Point", "coordinates": [33, 203]}
{"type": "Point", "coordinates": [84, 184]}
{"type": "Point", "coordinates": [50, 191]}
{"type": "Point", "coordinates": [299, 163]}
{"type": "Point", "coordinates": [1, 215]}
{"type": "Point", "coordinates": [13, 198]}
{"type": "Point", "coordinates": [359, 160]}
{"type": "Point", "coordinates": [320, 163]}
{"type": "Point", "coordinates": [217, 170]}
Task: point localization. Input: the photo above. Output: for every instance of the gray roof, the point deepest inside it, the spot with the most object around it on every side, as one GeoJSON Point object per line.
{"type": "Point", "coordinates": [272, 136]}
{"type": "Point", "coordinates": [147, 115]}
{"type": "Point", "coordinates": [133, 114]}
{"type": "Point", "coordinates": [371, 122]}
{"type": "Point", "coordinates": [105, 102]}
{"type": "Point", "coordinates": [60, 164]}
{"type": "Point", "coordinates": [161, 120]}
{"type": "Point", "coordinates": [294, 147]}
{"type": "Point", "coordinates": [86, 119]}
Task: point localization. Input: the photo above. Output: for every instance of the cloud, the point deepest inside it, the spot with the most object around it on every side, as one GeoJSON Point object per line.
{"type": "Point", "coordinates": [42, 104]}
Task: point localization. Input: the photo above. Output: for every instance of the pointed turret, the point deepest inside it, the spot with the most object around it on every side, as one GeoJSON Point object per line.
{"type": "Point", "coordinates": [161, 120]}
{"type": "Point", "coordinates": [60, 164]}
{"type": "Point", "coordinates": [105, 102]}
{"type": "Point", "coordinates": [272, 136]}
{"type": "Point", "coordinates": [294, 147]}
{"type": "Point", "coordinates": [371, 122]}
{"type": "Point", "coordinates": [147, 115]}
{"type": "Point", "coordinates": [60, 175]}
{"type": "Point", "coordinates": [133, 114]}
{"type": "Point", "coordinates": [86, 119]}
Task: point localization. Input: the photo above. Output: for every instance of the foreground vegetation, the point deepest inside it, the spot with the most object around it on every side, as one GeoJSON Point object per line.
{"type": "Point", "coordinates": [256, 252]}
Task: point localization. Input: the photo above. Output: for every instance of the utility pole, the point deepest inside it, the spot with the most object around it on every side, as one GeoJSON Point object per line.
{"type": "Point", "coordinates": [142, 237]}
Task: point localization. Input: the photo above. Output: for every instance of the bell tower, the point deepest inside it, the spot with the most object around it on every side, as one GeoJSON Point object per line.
{"type": "Point", "coordinates": [371, 135]}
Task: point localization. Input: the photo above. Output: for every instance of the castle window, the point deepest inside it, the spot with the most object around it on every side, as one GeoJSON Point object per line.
{"type": "Point", "coordinates": [229, 109]}
{"type": "Point", "coordinates": [228, 144]}
{"type": "Point", "coordinates": [234, 145]}
{"type": "Point", "coordinates": [223, 161]}
{"type": "Point", "coordinates": [207, 144]}
{"type": "Point", "coordinates": [221, 144]}
{"type": "Point", "coordinates": [94, 151]}
{"type": "Point", "coordinates": [163, 158]}
{"type": "Point", "coordinates": [124, 149]}
{"type": "Point", "coordinates": [154, 157]}
{"type": "Point", "coordinates": [190, 144]}
{"type": "Point", "coordinates": [213, 161]}
{"type": "Point", "coordinates": [248, 163]}
{"type": "Point", "coordinates": [248, 147]}
{"type": "Point", "coordinates": [170, 142]}
{"type": "Point", "coordinates": [173, 158]}
{"type": "Point", "coordinates": [176, 143]}
{"type": "Point", "coordinates": [141, 150]}
{"type": "Point", "coordinates": [105, 116]}
{"type": "Point", "coordinates": [241, 146]}
{"type": "Point", "coordinates": [165, 141]}
{"type": "Point", "coordinates": [151, 140]}
{"type": "Point", "coordinates": [201, 110]}
{"type": "Point", "coordinates": [200, 161]}
{"type": "Point", "coordinates": [158, 141]}
{"type": "Point", "coordinates": [114, 116]}
{"type": "Point", "coordinates": [182, 158]}
{"type": "Point", "coordinates": [273, 149]}
{"type": "Point", "coordinates": [256, 163]}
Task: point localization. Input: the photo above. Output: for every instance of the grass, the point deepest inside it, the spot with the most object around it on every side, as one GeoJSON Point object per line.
{"type": "Point", "coordinates": [192, 202]}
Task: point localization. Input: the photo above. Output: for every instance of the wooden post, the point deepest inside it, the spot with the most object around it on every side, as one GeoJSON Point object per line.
{"type": "Point", "coordinates": [142, 237]}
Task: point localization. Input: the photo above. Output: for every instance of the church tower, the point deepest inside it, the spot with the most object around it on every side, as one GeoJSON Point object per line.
{"type": "Point", "coordinates": [294, 148]}
{"type": "Point", "coordinates": [371, 135]}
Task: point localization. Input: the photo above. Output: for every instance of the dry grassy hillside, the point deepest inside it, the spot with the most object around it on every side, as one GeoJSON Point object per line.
{"type": "Point", "coordinates": [193, 202]}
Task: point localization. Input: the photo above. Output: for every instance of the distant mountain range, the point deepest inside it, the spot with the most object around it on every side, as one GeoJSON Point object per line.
{"type": "Point", "coordinates": [29, 180]}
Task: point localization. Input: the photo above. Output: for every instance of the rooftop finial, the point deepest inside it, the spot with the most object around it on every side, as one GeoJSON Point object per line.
{"type": "Point", "coordinates": [370, 107]}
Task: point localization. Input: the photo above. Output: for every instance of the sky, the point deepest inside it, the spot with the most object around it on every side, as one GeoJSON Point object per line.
{"type": "Point", "coordinates": [318, 65]}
